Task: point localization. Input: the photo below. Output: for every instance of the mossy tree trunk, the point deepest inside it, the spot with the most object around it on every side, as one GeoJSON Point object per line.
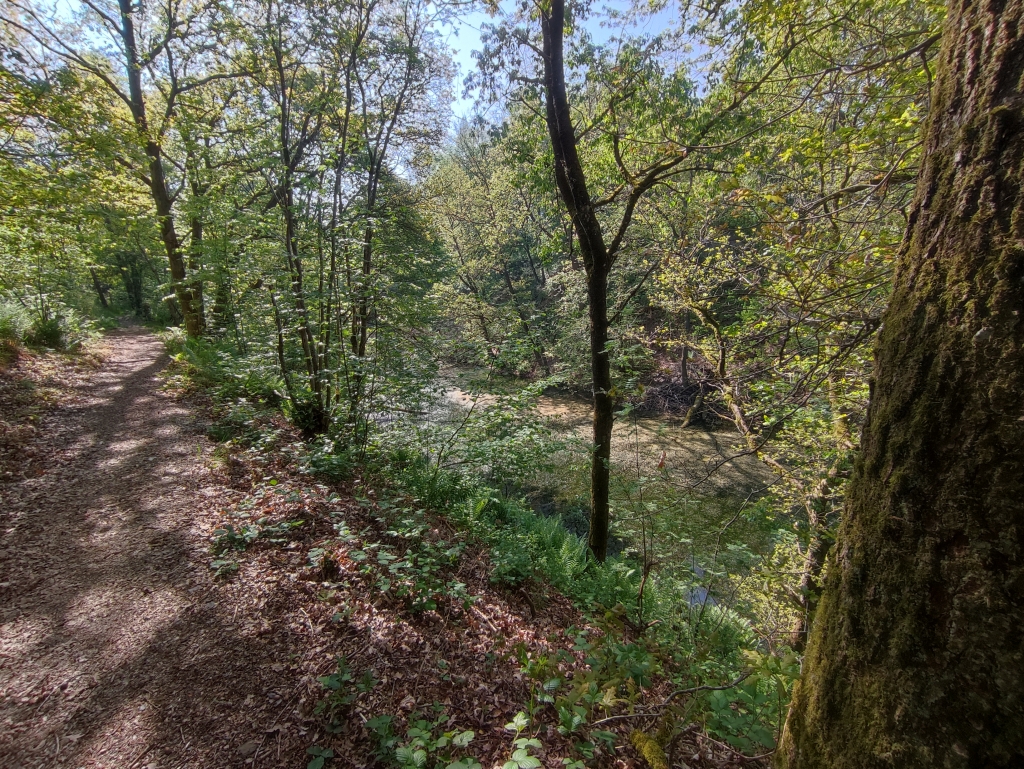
{"type": "Point", "coordinates": [916, 658]}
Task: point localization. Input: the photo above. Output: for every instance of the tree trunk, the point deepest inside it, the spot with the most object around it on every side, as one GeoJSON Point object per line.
{"type": "Point", "coordinates": [604, 413]}
{"type": "Point", "coordinates": [818, 545]}
{"type": "Point", "coordinates": [157, 179]}
{"type": "Point", "coordinates": [684, 356]}
{"type": "Point", "coordinates": [916, 656]}
{"type": "Point", "coordinates": [361, 323]}
{"type": "Point", "coordinates": [101, 288]}
{"type": "Point", "coordinates": [306, 338]}
{"type": "Point", "coordinates": [572, 187]}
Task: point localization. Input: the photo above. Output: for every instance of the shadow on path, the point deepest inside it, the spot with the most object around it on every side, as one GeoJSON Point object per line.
{"type": "Point", "coordinates": [117, 648]}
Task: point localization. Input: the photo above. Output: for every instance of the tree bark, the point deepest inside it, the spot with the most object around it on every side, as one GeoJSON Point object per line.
{"type": "Point", "coordinates": [101, 288]}
{"type": "Point", "coordinates": [818, 546]}
{"type": "Point", "coordinates": [572, 187]}
{"type": "Point", "coordinates": [916, 657]}
{"type": "Point", "coordinates": [684, 356]}
{"type": "Point", "coordinates": [361, 318]}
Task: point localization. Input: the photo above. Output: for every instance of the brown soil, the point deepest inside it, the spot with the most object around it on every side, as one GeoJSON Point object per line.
{"type": "Point", "coordinates": [117, 649]}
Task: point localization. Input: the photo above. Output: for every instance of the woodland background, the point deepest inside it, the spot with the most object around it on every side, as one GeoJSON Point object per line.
{"type": "Point", "coordinates": [281, 185]}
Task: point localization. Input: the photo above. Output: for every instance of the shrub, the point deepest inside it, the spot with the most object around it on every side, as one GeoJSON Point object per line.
{"type": "Point", "coordinates": [14, 323]}
{"type": "Point", "coordinates": [48, 332]}
{"type": "Point", "coordinates": [56, 326]}
{"type": "Point", "coordinates": [216, 366]}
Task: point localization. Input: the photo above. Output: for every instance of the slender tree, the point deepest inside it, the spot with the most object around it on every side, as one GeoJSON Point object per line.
{"type": "Point", "coordinates": [163, 52]}
{"type": "Point", "coordinates": [572, 186]}
{"type": "Point", "coordinates": [916, 658]}
{"type": "Point", "coordinates": [642, 164]}
{"type": "Point", "coordinates": [623, 123]}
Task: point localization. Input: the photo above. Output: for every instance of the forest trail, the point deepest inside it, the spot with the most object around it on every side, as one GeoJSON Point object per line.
{"type": "Point", "coordinates": [117, 647]}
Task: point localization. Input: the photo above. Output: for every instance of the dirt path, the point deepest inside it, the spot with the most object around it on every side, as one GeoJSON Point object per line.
{"type": "Point", "coordinates": [117, 648]}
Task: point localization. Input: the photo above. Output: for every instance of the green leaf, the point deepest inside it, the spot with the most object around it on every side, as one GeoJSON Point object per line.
{"type": "Point", "coordinates": [525, 761]}
{"type": "Point", "coordinates": [520, 722]}
{"type": "Point", "coordinates": [320, 756]}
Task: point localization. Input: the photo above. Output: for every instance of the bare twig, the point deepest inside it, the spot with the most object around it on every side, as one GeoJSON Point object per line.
{"type": "Point", "coordinates": [656, 709]}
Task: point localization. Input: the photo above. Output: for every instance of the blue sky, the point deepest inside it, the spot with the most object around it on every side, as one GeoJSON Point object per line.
{"type": "Point", "coordinates": [464, 38]}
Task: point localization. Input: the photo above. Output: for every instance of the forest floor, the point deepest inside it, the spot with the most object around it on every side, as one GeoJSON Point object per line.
{"type": "Point", "coordinates": [121, 647]}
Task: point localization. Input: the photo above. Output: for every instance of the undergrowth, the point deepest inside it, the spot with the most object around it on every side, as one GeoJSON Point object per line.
{"type": "Point", "coordinates": [42, 322]}
{"type": "Point", "coordinates": [692, 644]}
{"type": "Point", "coordinates": [654, 627]}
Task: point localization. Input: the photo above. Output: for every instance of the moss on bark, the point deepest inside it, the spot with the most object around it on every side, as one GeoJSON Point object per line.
{"type": "Point", "coordinates": [917, 654]}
